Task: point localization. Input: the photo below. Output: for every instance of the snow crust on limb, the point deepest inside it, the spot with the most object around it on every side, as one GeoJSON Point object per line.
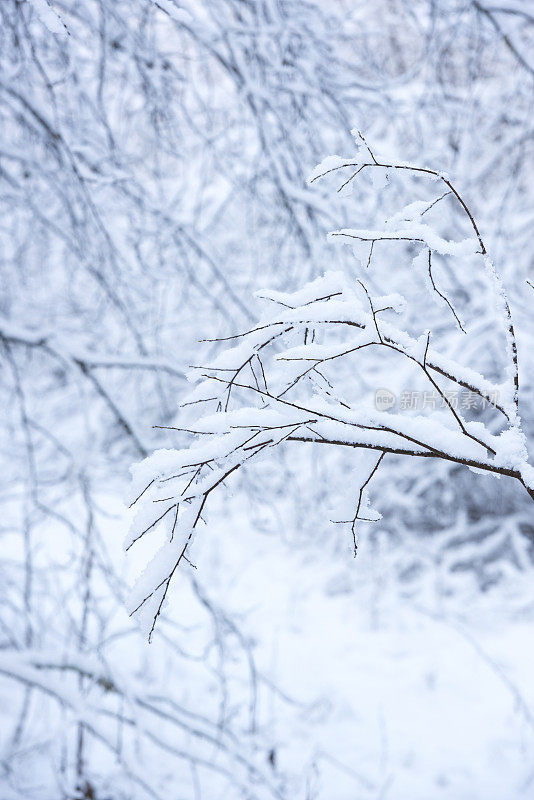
{"type": "Point", "coordinates": [176, 12]}
{"type": "Point", "coordinates": [412, 232]}
{"type": "Point", "coordinates": [48, 16]}
{"type": "Point", "coordinates": [329, 164]}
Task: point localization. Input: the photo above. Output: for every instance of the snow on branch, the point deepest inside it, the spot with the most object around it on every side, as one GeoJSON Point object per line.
{"type": "Point", "coordinates": [273, 384]}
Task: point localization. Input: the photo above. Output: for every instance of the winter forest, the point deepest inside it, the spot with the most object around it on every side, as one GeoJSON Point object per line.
{"type": "Point", "coordinates": [267, 390]}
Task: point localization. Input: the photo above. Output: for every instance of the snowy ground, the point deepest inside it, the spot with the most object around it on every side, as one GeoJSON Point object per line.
{"type": "Point", "coordinates": [399, 695]}
{"type": "Point", "coordinates": [368, 687]}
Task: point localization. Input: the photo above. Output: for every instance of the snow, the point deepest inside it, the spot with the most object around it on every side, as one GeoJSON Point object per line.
{"type": "Point", "coordinates": [412, 232]}
{"type": "Point", "coordinates": [329, 164]}
{"type": "Point", "coordinates": [48, 16]}
{"type": "Point", "coordinates": [511, 448]}
{"type": "Point", "coordinates": [414, 697]}
{"type": "Point", "coordinates": [330, 283]}
{"type": "Point", "coordinates": [412, 211]}
{"type": "Point", "coordinates": [379, 177]}
{"type": "Point", "coordinates": [152, 178]}
{"type": "Point", "coordinates": [175, 11]}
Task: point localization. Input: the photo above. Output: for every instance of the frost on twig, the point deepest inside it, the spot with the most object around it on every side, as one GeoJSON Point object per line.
{"type": "Point", "coordinates": [285, 381]}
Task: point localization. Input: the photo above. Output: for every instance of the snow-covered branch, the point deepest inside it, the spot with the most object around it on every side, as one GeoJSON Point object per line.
{"type": "Point", "coordinates": [290, 379]}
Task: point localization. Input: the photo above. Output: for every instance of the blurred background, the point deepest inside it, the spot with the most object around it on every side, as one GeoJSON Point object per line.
{"type": "Point", "coordinates": [153, 165]}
